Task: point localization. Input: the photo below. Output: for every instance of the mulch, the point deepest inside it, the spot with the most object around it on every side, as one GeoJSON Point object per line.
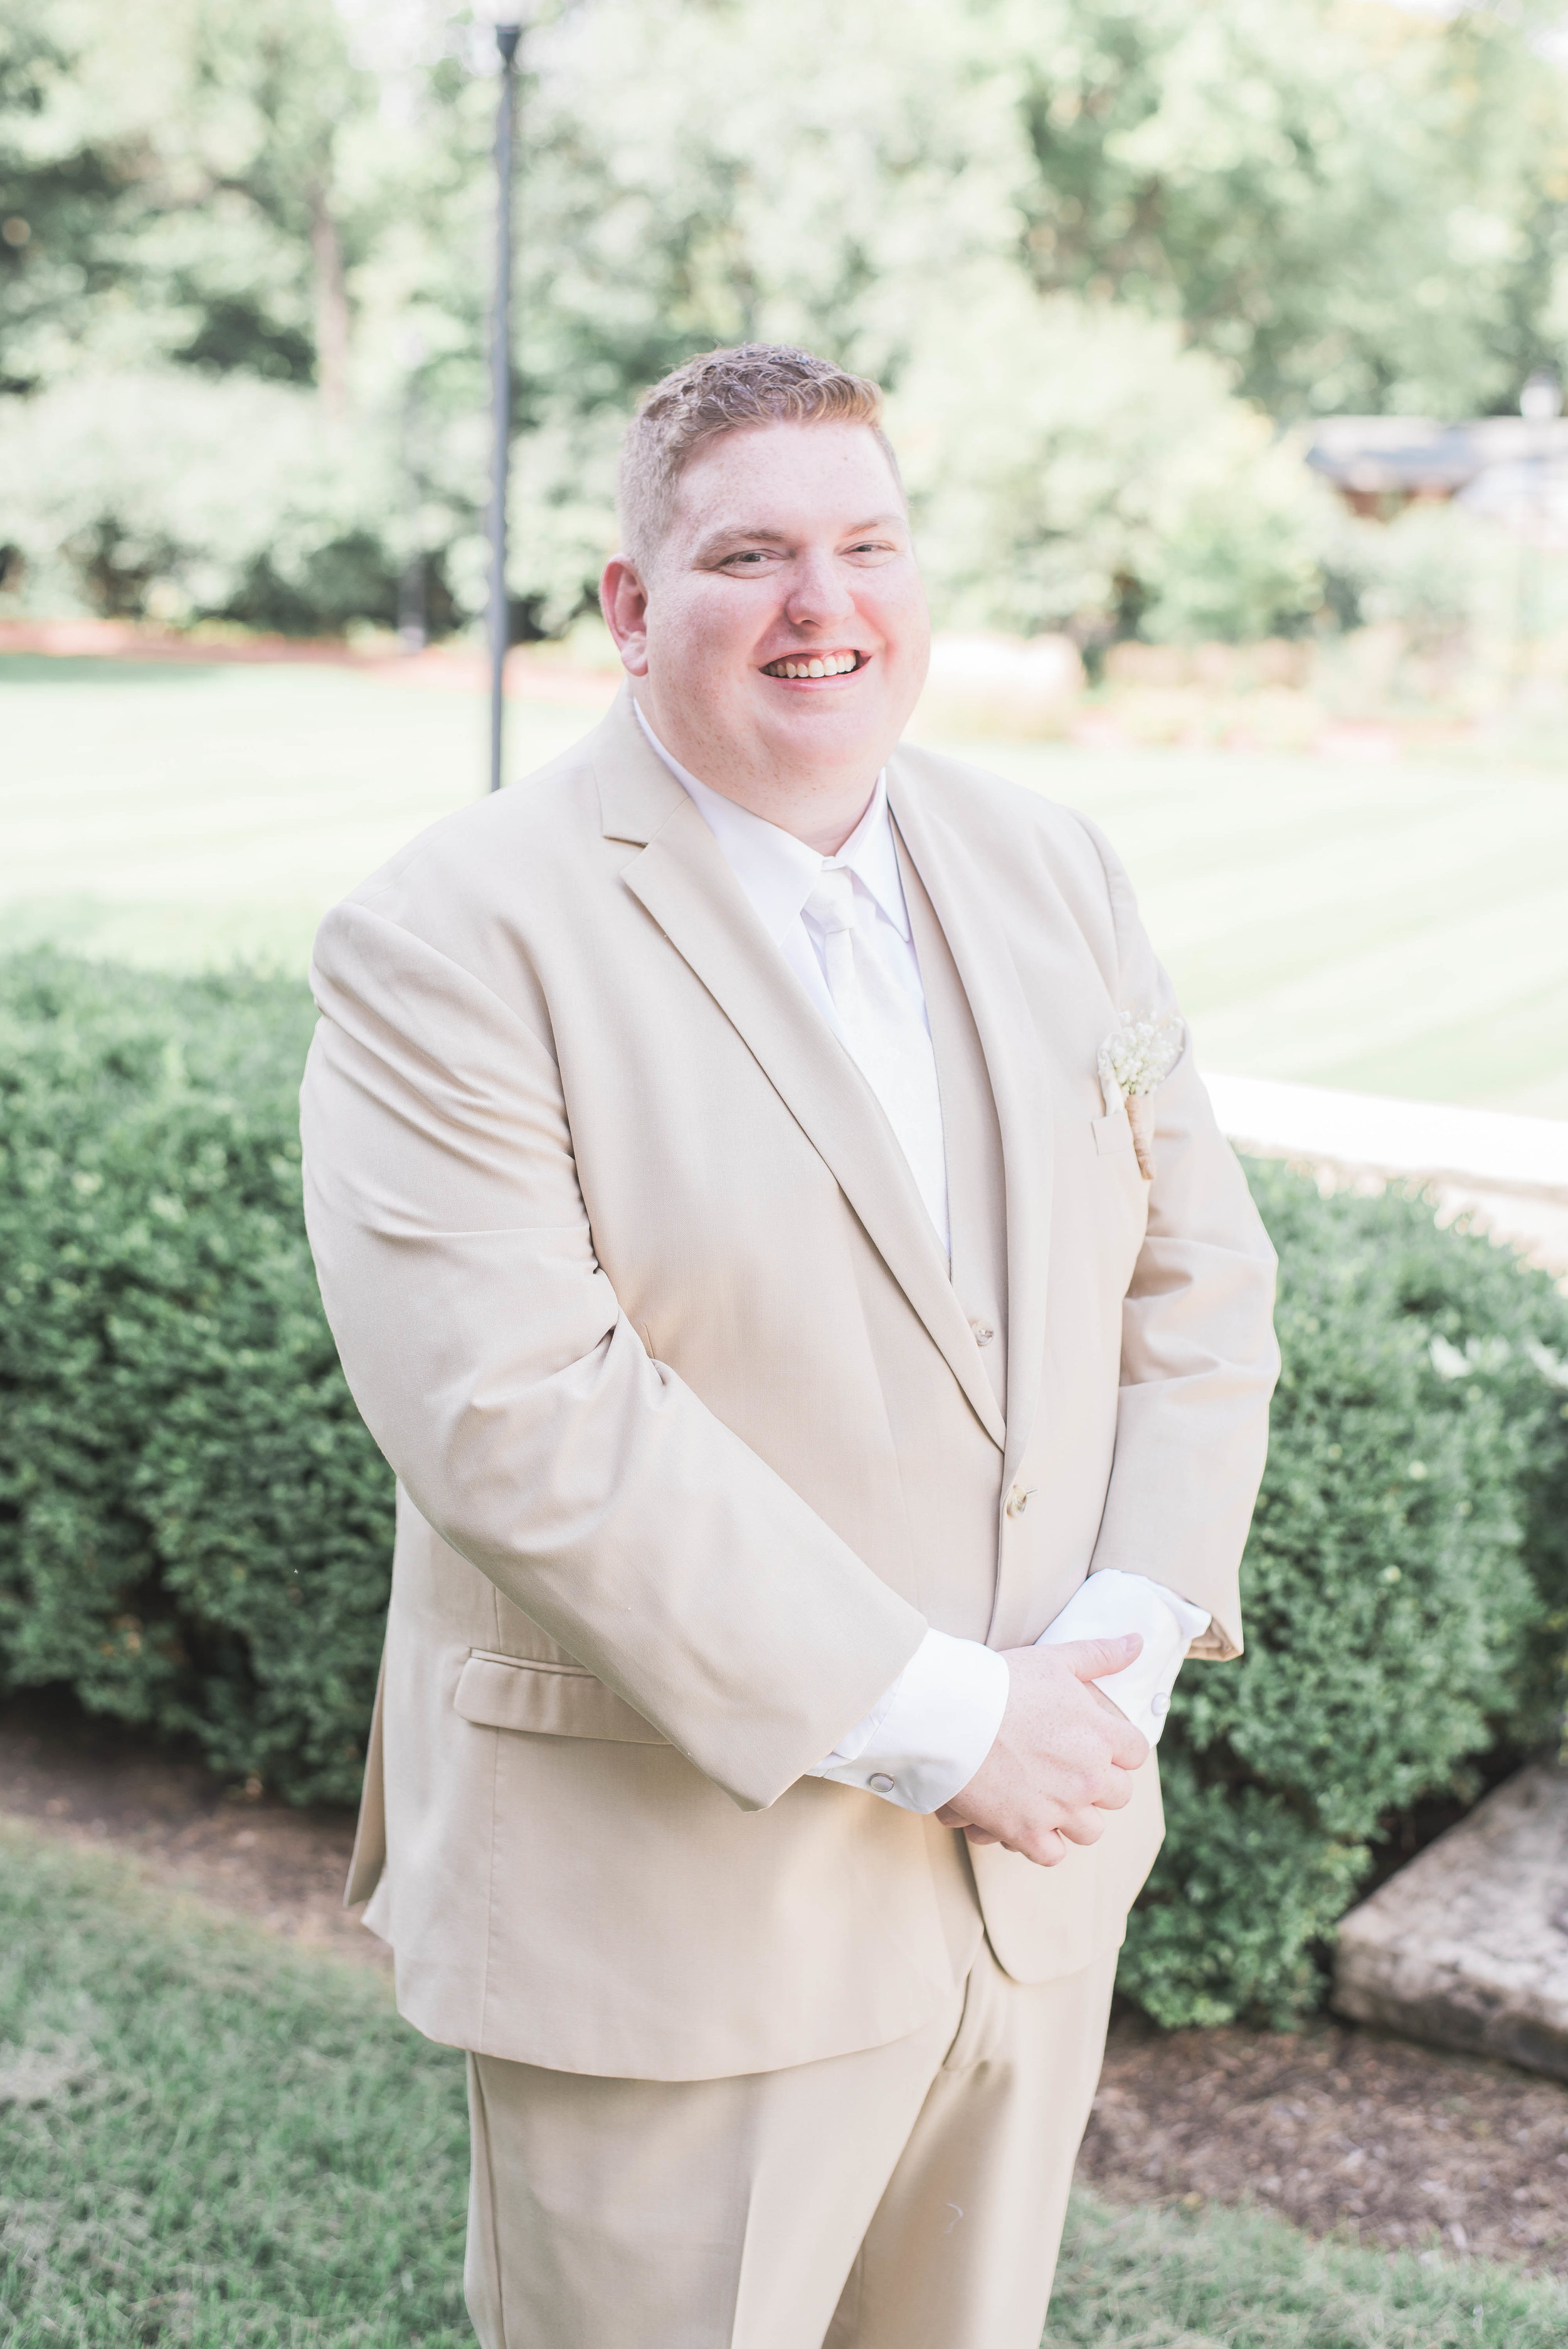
{"type": "Point", "coordinates": [87, 1781]}
{"type": "Point", "coordinates": [1341, 2129]}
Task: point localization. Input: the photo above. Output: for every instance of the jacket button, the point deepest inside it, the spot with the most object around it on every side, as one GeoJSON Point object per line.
{"type": "Point", "coordinates": [983, 1332]}
{"type": "Point", "coordinates": [879, 1784]}
{"type": "Point", "coordinates": [1018, 1499]}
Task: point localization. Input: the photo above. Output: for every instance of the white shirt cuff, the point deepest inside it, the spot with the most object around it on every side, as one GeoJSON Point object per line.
{"type": "Point", "coordinates": [931, 1731]}
{"type": "Point", "coordinates": [1111, 1602]}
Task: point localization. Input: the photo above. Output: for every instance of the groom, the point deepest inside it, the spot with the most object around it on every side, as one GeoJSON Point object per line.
{"type": "Point", "coordinates": [734, 1245]}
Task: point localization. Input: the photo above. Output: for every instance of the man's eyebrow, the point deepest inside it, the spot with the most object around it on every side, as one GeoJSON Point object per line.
{"type": "Point", "coordinates": [764, 534]}
{"type": "Point", "coordinates": [739, 534]}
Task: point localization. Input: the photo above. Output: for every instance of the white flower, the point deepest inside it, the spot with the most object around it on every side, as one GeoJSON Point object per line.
{"type": "Point", "coordinates": [1133, 1060]}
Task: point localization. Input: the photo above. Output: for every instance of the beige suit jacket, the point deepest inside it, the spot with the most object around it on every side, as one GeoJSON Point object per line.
{"type": "Point", "coordinates": [692, 1430]}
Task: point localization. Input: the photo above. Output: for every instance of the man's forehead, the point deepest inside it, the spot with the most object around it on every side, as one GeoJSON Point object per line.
{"type": "Point", "coordinates": [767, 483]}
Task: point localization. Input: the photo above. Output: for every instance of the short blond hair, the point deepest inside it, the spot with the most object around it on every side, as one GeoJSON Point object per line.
{"type": "Point", "coordinates": [725, 391]}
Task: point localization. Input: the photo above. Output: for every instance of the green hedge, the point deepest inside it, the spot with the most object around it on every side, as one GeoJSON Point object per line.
{"type": "Point", "coordinates": [1405, 1588]}
{"type": "Point", "coordinates": [195, 1529]}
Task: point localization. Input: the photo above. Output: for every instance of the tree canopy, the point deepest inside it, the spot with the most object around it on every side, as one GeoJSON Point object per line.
{"type": "Point", "coordinates": [1234, 217]}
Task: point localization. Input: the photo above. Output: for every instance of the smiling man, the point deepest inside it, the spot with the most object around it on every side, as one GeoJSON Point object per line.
{"type": "Point", "coordinates": [774, 1228]}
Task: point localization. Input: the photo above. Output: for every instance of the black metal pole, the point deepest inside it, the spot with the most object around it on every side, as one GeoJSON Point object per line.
{"type": "Point", "coordinates": [507, 37]}
{"type": "Point", "coordinates": [1540, 404]}
{"type": "Point", "coordinates": [413, 608]}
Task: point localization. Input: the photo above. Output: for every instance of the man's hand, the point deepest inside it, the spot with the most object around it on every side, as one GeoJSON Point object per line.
{"type": "Point", "coordinates": [1063, 1754]}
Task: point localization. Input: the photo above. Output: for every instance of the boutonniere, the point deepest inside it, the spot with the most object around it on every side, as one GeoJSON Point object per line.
{"type": "Point", "coordinates": [1133, 1060]}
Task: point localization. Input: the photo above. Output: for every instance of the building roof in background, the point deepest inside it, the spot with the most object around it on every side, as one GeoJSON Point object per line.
{"type": "Point", "coordinates": [1373, 457]}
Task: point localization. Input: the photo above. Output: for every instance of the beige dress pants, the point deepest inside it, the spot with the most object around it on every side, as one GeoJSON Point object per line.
{"type": "Point", "coordinates": [906, 2197]}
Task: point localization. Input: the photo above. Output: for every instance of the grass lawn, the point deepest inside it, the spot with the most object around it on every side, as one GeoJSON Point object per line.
{"type": "Point", "coordinates": [208, 2139]}
{"type": "Point", "coordinates": [1399, 927]}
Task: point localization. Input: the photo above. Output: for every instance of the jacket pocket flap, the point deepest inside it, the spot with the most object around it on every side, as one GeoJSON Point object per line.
{"type": "Point", "coordinates": [547, 1700]}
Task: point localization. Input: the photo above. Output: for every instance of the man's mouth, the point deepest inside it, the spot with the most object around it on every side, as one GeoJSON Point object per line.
{"type": "Point", "coordinates": [837, 663]}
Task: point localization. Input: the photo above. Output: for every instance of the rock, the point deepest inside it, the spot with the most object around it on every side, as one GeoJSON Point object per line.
{"type": "Point", "coordinates": [1468, 1946]}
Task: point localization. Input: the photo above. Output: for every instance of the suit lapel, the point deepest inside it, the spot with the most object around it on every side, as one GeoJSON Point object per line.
{"type": "Point", "coordinates": [965, 910]}
{"type": "Point", "coordinates": [972, 1143]}
{"type": "Point", "coordinates": [682, 881]}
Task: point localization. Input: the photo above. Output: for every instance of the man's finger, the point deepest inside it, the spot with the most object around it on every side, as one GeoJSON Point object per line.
{"type": "Point", "coordinates": [1129, 1746]}
{"type": "Point", "coordinates": [1097, 1660]}
{"type": "Point", "coordinates": [1083, 1826]}
{"type": "Point", "coordinates": [1046, 1849]}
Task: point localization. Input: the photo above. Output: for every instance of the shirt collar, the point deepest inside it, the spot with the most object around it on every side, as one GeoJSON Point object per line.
{"type": "Point", "coordinates": [778, 872]}
{"type": "Point", "coordinates": [869, 854]}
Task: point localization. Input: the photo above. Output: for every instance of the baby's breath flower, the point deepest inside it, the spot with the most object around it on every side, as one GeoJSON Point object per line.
{"type": "Point", "coordinates": [1133, 1060]}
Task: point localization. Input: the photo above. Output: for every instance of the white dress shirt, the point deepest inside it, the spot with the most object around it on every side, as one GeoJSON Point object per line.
{"type": "Point", "coordinates": [843, 928]}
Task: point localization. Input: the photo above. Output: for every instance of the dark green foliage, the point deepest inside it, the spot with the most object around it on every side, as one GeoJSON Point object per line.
{"type": "Point", "coordinates": [195, 1529]}
{"type": "Point", "coordinates": [1404, 1588]}
{"type": "Point", "coordinates": [1245, 1885]}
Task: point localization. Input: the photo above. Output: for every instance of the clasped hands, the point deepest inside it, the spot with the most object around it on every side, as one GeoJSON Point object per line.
{"type": "Point", "coordinates": [1063, 1756]}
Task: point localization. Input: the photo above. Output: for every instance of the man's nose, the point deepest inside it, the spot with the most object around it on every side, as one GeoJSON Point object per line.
{"type": "Point", "coordinates": [819, 592]}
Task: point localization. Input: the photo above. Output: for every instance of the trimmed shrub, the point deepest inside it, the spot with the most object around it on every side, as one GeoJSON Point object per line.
{"type": "Point", "coordinates": [1404, 1588]}
{"type": "Point", "coordinates": [176, 497]}
{"type": "Point", "coordinates": [196, 1530]}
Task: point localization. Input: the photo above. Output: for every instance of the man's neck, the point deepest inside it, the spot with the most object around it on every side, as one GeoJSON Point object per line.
{"type": "Point", "coordinates": [820, 808]}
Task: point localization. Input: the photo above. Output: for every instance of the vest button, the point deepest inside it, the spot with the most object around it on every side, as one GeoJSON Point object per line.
{"type": "Point", "coordinates": [983, 1332]}
{"type": "Point", "coordinates": [1018, 1499]}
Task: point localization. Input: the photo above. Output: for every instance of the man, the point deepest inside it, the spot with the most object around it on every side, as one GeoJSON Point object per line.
{"type": "Point", "coordinates": [736, 1239]}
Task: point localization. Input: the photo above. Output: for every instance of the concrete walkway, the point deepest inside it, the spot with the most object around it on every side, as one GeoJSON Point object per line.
{"type": "Point", "coordinates": [1513, 1171]}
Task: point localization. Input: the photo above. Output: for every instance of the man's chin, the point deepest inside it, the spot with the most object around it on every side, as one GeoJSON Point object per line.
{"type": "Point", "coordinates": [813, 736]}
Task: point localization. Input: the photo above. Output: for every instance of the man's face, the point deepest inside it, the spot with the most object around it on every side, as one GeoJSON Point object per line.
{"type": "Point", "coordinates": [783, 632]}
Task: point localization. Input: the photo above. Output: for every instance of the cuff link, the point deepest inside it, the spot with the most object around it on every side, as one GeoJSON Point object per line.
{"type": "Point", "coordinates": [1158, 1705]}
{"type": "Point", "coordinates": [879, 1783]}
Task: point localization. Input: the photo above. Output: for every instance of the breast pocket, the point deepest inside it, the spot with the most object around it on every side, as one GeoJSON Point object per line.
{"type": "Point", "coordinates": [1112, 1134]}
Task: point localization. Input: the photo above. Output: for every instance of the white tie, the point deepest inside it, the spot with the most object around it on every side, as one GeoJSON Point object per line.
{"type": "Point", "coordinates": [886, 1033]}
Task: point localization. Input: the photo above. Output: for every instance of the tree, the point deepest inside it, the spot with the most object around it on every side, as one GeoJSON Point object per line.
{"type": "Point", "coordinates": [1323, 206]}
{"type": "Point", "coordinates": [179, 171]}
{"type": "Point", "coordinates": [1361, 208]}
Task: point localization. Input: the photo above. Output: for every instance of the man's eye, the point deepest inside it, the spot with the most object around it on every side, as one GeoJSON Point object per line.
{"type": "Point", "coordinates": [751, 554]}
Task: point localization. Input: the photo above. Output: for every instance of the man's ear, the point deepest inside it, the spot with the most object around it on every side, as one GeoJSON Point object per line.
{"type": "Point", "coordinates": [624, 600]}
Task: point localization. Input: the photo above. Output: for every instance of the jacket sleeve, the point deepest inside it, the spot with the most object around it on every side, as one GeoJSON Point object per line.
{"type": "Point", "coordinates": [1199, 1360]}
{"type": "Point", "coordinates": [491, 1362]}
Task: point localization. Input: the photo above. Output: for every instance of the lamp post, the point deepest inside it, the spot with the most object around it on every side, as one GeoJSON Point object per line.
{"type": "Point", "coordinates": [413, 611]}
{"type": "Point", "coordinates": [507, 35]}
{"type": "Point", "coordinates": [1540, 403]}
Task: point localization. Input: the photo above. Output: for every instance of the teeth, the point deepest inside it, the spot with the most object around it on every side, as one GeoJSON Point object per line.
{"type": "Point", "coordinates": [824, 664]}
